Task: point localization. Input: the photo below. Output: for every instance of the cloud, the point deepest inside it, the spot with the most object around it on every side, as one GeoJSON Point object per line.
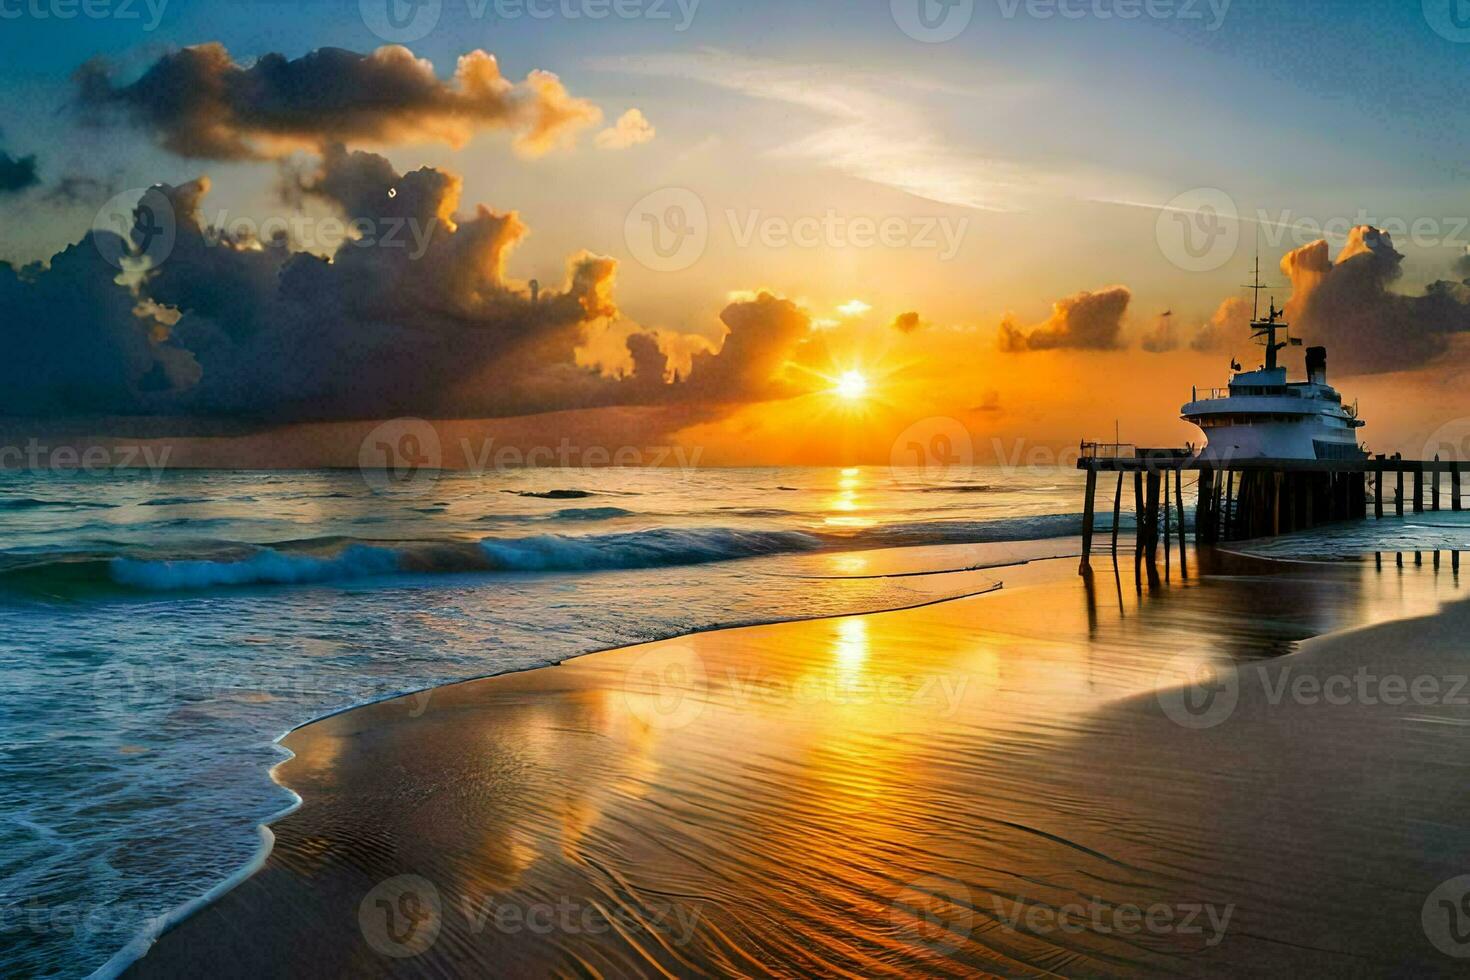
{"type": "Point", "coordinates": [874, 127]}
{"type": "Point", "coordinates": [854, 308]}
{"type": "Point", "coordinates": [630, 130]}
{"type": "Point", "coordinates": [1349, 306]}
{"type": "Point", "coordinates": [74, 189]}
{"type": "Point", "coordinates": [1162, 337]}
{"type": "Point", "coordinates": [906, 322]}
{"type": "Point", "coordinates": [1226, 329]}
{"type": "Point", "coordinates": [414, 315]}
{"type": "Point", "coordinates": [1086, 321]}
{"type": "Point", "coordinates": [198, 102]}
{"type": "Point", "coordinates": [17, 174]}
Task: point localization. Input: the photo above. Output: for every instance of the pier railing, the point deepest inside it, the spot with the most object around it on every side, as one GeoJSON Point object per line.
{"type": "Point", "coordinates": [1109, 450]}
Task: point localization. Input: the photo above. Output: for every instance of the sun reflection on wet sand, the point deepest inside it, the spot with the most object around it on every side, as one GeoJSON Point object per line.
{"type": "Point", "coordinates": [861, 795]}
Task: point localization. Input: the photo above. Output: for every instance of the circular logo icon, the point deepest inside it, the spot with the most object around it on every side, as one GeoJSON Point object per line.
{"type": "Point", "coordinates": [401, 917]}
{"type": "Point", "coordinates": [1198, 231]}
{"type": "Point", "coordinates": [934, 445]}
{"type": "Point", "coordinates": [932, 21]}
{"type": "Point", "coordinates": [400, 21]}
{"type": "Point", "coordinates": [1446, 917]}
{"type": "Point", "coordinates": [1196, 695]}
{"type": "Point", "coordinates": [1450, 441]}
{"type": "Point", "coordinates": [400, 454]}
{"type": "Point", "coordinates": [123, 691]}
{"type": "Point", "coordinates": [667, 230]}
{"type": "Point", "coordinates": [934, 912]}
{"type": "Point", "coordinates": [137, 225]}
{"type": "Point", "coordinates": [1450, 19]}
{"type": "Point", "coordinates": [666, 686]}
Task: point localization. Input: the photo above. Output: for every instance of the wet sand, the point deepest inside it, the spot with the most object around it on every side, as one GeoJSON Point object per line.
{"type": "Point", "coordinates": [991, 784]}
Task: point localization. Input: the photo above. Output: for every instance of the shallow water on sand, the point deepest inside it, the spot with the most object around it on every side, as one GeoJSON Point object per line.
{"type": "Point", "coordinates": [158, 633]}
{"type": "Point", "coordinates": [993, 784]}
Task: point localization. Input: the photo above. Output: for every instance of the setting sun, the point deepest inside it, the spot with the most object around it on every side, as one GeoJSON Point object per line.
{"type": "Point", "coordinates": [852, 384]}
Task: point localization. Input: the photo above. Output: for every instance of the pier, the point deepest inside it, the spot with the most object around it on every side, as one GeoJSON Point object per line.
{"type": "Point", "coordinates": [1239, 499]}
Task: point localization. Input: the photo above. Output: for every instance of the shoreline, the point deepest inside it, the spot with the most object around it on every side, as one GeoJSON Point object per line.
{"type": "Point", "coordinates": [364, 713]}
{"type": "Point", "coordinates": [139, 945]}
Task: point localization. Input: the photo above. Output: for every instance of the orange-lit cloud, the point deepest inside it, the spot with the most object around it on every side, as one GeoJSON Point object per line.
{"type": "Point", "coordinates": [1086, 321]}
{"type": "Point", "coordinates": [631, 129]}
{"type": "Point", "coordinates": [198, 102]}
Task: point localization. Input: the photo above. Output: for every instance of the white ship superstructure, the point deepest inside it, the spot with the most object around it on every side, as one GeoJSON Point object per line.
{"type": "Point", "coordinates": [1262, 415]}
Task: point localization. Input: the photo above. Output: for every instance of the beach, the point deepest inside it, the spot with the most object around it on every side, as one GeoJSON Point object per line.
{"type": "Point", "coordinates": [1251, 770]}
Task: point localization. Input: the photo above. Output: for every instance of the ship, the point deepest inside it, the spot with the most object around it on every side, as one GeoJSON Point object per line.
{"type": "Point", "coordinates": [1263, 415]}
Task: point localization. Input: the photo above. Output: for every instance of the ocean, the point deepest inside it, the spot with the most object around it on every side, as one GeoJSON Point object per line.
{"type": "Point", "coordinates": [160, 631]}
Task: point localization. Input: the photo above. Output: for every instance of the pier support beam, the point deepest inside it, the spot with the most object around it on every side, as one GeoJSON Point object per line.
{"type": "Point", "coordinates": [1398, 500]}
{"type": "Point", "coordinates": [1378, 494]}
{"type": "Point", "coordinates": [1434, 492]}
{"type": "Point", "coordinates": [1455, 488]}
{"type": "Point", "coordinates": [1152, 518]}
{"type": "Point", "coordinates": [1204, 514]}
{"type": "Point", "coordinates": [1087, 517]}
{"type": "Point", "coordinates": [1419, 490]}
{"type": "Point", "coordinates": [1117, 512]}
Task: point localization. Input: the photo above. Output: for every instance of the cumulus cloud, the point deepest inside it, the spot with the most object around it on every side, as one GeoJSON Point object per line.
{"type": "Point", "coordinates": [1162, 337]}
{"type": "Point", "coordinates": [631, 129]}
{"type": "Point", "coordinates": [1349, 305]}
{"type": "Point", "coordinates": [906, 322]}
{"type": "Point", "coordinates": [415, 314]}
{"type": "Point", "coordinates": [17, 173]}
{"type": "Point", "coordinates": [1227, 328]}
{"type": "Point", "coordinates": [1086, 321]}
{"type": "Point", "coordinates": [198, 102]}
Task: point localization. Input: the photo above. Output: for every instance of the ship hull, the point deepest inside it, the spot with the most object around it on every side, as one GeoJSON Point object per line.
{"type": "Point", "coordinates": [1280, 440]}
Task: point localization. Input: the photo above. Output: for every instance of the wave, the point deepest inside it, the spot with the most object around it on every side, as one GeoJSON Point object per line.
{"type": "Point", "coordinates": [173, 501]}
{"type": "Point", "coordinates": [29, 503]}
{"type": "Point", "coordinates": [590, 514]}
{"type": "Point", "coordinates": [318, 560]}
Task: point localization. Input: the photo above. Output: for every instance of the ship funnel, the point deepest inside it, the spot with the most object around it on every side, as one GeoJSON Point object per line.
{"type": "Point", "coordinates": [1317, 365]}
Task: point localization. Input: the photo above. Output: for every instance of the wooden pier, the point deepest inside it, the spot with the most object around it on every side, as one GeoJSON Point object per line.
{"type": "Point", "coordinates": [1240, 499]}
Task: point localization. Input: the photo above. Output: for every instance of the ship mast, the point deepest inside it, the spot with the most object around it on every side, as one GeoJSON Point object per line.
{"type": "Point", "coordinates": [1265, 330]}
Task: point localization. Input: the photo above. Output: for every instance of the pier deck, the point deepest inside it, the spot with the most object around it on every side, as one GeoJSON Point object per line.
{"type": "Point", "coordinates": [1240, 499]}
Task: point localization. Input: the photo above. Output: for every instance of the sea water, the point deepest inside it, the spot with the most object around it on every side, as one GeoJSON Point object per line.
{"type": "Point", "coordinates": [159, 632]}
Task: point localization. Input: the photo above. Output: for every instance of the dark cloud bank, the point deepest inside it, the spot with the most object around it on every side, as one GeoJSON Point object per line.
{"type": "Point", "coordinates": [412, 313]}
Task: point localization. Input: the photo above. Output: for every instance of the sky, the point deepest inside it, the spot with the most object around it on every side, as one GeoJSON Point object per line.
{"type": "Point", "coordinates": [1029, 220]}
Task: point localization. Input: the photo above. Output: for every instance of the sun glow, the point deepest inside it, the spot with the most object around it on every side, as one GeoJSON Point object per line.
{"type": "Point", "coordinates": [851, 385]}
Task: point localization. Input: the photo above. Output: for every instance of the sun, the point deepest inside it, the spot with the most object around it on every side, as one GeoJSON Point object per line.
{"type": "Point", "coordinates": [852, 385]}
